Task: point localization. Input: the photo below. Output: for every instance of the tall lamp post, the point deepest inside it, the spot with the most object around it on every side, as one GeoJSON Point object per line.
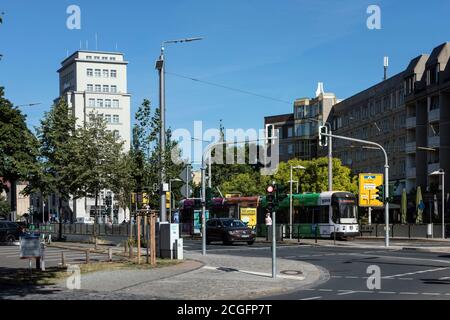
{"type": "Point", "coordinates": [160, 66]}
{"type": "Point", "coordinates": [290, 199]}
{"type": "Point", "coordinates": [441, 173]}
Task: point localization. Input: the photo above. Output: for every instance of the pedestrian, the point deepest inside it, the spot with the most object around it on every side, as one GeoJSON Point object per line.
{"type": "Point", "coordinates": [268, 225]}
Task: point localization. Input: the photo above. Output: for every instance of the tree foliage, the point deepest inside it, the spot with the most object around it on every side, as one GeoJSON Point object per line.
{"type": "Point", "coordinates": [5, 208]}
{"type": "Point", "coordinates": [313, 179]}
{"type": "Point", "coordinates": [18, 146]}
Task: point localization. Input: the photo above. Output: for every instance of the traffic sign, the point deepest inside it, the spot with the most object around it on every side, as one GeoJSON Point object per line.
{"type": "Point", "coordinates": [368, 189]}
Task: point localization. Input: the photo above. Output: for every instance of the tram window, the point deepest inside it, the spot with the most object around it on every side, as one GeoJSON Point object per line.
{"type": "Point", "coordinates": [324, 214]}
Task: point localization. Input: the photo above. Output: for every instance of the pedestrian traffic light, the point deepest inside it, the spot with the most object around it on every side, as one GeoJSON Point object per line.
{"type": "Point", "coordinates": [380, 194]}
{"type": "Point", "coordinates": [323, 140]}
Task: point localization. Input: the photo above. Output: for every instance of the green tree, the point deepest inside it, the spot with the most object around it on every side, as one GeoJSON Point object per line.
{"type": "Point", "coordinates": [146, 153]}
{"type": "Point", "coordinates": [5, 208]}
{"type": "Point", "coordinates": [315, 177]}
{"type": "Point", "coordinates": [97, 156]}
{"type": "Point", "coordinates": [121, 180]}
{"type": "Point", "coordinates": [248, 184]}
{"type": "Point", "coordinates": [18, 146]}
{"type": "Point", "coordinates": [56, 153]}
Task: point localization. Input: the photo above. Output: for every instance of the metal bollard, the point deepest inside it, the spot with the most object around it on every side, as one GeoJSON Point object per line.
{"type": "Point", "coordinates": [110, 254]}
{"type": "Point", "coordinates": [130, 250]}
{"type": "Point", "coordinates": [63, 260]}
{"type": "Point", "coordinates": [87, 256]}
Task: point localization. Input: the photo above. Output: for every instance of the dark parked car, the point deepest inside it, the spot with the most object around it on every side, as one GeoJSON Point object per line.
{"type": "Point", "coordinates": [229, 231]}
{"type": "Point", "coordinates": [10, 231]}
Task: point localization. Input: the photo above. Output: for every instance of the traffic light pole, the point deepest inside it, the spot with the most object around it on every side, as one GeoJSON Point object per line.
{"type": "Point", "coordinates": [386, 173]}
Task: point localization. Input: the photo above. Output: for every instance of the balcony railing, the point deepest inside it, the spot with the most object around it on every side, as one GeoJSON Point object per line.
{"type": "Point", "coordinates": [411, 122]}
{"type": "Point", "coordinates": [434, 115]}
{"type": "Point", "coordinates": [411, 147]}
{"type": "Point", "coordinates": [434, 141]}
{"type": "Point", "coordinates": [410, 173]}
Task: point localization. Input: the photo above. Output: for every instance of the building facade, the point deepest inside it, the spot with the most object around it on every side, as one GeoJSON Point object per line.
{"type": "Point", "coordinates": [427, 99]}
{"type": "Point", "coordinates": [378, 115]}
{"type": "Point", "coordinates": [95, 82]}
{"type": "Point", "coordinates": [298, 131]}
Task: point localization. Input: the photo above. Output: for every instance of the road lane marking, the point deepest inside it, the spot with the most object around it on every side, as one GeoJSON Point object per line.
{"type": "Point", "coordinates": [345, 293]}
{"type": "Point", "coordinates": [263, 274]}
{"type": "Point", "coordinates": [409, 293]}
{"type": "Point", "coordinates": [431, 294]}
{"type": "Point", "coordinates": [312, 298]}
{"type": "Point", "coordinates": [416, 272]}
{"type": "Point", "coordinates": [326, 290]}
{"type": "Point", "coordinates": [386, 292]}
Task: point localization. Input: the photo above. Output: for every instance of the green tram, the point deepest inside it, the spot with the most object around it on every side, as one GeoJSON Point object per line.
{"type": "Point", "coordinates": [333, 213]}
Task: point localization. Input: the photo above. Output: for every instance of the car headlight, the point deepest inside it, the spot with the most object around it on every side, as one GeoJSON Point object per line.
{"type": "Point", "coordinates": [231, 232]}
{"type": "Point", "coordinates": [253, 232]}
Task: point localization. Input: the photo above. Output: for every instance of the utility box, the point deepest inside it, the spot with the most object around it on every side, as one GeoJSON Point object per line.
{"type": "Point", "coordinates": [179, 249]}
{"type": "Point", "coordinates": [169, 234]}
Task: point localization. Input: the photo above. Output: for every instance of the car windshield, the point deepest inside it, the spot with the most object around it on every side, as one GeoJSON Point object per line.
{"type": "Point", "coordinates": [233, 223]}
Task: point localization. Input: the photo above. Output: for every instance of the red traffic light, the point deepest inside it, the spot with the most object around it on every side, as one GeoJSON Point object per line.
{"type": "Point", "coordinates": [270, 189]}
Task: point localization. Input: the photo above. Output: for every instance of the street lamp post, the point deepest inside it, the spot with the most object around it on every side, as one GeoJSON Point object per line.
{"type": "Point", "coordinates": [290, 200]}
{"type": "Point", "coordinates": [160, 66]}
{"type": "Point", "coordinates": [441, 173]}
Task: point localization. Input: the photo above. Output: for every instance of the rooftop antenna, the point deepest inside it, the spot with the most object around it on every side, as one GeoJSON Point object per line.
{"type": "Point", "coordinates": [67, 53]}
{"type": "Point", "coordinates": [117, 47]}
{"type": "Point", "coordinates": [96, 41]}
{"type": "Point", "coordinates": [81, 45]}
{"type": "Point", "coordinates": [386, 65]}
{"type": "Point", "coordinates": [87, 44]}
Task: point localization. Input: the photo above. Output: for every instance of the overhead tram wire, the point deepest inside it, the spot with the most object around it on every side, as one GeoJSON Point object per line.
{"type": "Point", "coordinates": [228, 88]}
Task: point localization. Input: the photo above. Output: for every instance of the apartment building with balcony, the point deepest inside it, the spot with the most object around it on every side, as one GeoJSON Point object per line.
{"type": "Point", "coordinates": [298, 131]}
{"type": "Point", "coordinates": [427, 100]}
{"type": "Point", "coordinates": [376, 114]}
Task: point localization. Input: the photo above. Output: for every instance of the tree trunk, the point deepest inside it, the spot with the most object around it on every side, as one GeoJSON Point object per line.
{"type": "Point", "coordinates": [95, 220]}
{"type": "Point", "coordinates": [60, 220]}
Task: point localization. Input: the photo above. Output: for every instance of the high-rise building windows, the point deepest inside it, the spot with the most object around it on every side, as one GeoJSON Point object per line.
{"type": "Point", "coordinates": [104, 58]}
{"type": "Point", "coordinates": [108, 103]}
{"type": "Point", "coordinates": [98, 88]}
{"type": "Point", "coordinates": [96, 58]}
{"type": "Point", "coordinates": [108, 118]}
{"type": "Point", "coordinates": [90, 72]}
{"type": "Point", "coordinates": [116, 119]}
{"type": "Point", "coordinates": [105, 88]}
{"type": "Point", "coordinates": [116, 134]}
{"type": "Point", "coordinates": [98, 73]}
{"type": "Point", "coordinates": [112, 58]}
{"type": "Point", "coordinates": [113, 89]}
{"type": "Point", "coordinates": [99, 103]}
{"type": "Point", "coordinates": [105, 73]}
{"type": "Point", "coordinates": [89, 57]}
{"type": "Point", "coordinates": [90, 88]}
{"type": "Point", "coordinates": [113, 73]}
{"type": "Point", "coordinates": [115, 104]}
{"type": "Point", "coordinates": [92, 103]}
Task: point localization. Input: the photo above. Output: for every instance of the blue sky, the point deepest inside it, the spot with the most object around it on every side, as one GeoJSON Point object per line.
{"type": "Point", "coordinates": [277, 48]}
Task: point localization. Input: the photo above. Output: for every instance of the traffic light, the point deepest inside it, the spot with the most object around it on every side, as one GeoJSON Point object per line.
{"type": "Point", "coordinates": [280, 193]}
{"type": "Point", "coordinates": [323, 140]}
{"type": "Point", "coordinates": [380, 194]}
{"type": "Point", "coordinates": [209, 197]}
{"type": "Point", "coordinates": [270, 198]}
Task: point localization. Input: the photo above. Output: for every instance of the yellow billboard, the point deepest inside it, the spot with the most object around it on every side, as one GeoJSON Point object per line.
{"type": "Point", "coordinates": [368, 183]}
{"type": "Point", "coordinates": [248, 216]}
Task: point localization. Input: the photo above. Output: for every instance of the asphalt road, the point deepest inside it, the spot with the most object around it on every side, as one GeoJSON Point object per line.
{"type": "Point", "coordinates": [404, 274]}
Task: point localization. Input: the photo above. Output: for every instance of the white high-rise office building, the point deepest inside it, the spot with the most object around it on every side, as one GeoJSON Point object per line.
{"type": "Point", "coordinates": [94, 81]}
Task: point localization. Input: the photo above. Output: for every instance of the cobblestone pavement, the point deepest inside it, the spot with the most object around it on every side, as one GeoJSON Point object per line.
{"type": "Point", "coordinates": [220, 276]}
